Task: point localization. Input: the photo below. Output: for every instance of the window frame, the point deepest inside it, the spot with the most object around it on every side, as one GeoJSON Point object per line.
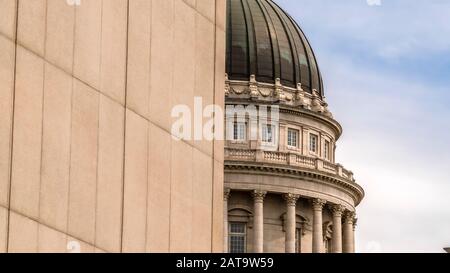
{"type": "Point", "coordinates": [289, 138]}
{"type": "Point", "coordinates": [243, 235]}
{"type": "Point", "coordinates": [273, 134]}
{"type": "Point", "coordinates": [316, 144]}
{"type": "Point", "coordinates": [327, 149]}
{"type": "Point", "coordinates": [236, 132]}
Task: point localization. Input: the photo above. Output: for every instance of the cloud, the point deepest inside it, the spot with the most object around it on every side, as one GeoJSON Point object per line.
{"type": "Point", "coordinates": [394, 29]}
{"type": "Point", "coordinates": [386, 76]}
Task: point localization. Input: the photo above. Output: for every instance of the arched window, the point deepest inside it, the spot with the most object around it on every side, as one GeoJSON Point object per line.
{"type": "Point", "coordinates": [238, 224]}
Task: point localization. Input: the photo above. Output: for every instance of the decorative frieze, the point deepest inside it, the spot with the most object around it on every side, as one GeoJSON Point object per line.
{"type": "Point", "coordinates": [298, 97]}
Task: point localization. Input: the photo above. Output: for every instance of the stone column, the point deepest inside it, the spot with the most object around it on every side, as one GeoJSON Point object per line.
{"type": "Point", "coordinates": [337, 228]}
{"type": "Point", "coordinates": [317, 242]}
{"type": "Point", "coordinates": [226, 196]}
{"type": "Point", "coordinates": [258, 221]}
{"type": "Point", "coordinates": [290, 225]}
{"type": "Point", "coordinates": [348, 232]}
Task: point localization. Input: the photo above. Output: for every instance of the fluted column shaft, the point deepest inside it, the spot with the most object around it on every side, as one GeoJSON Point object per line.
{"type": "Point", "coordinates": [348, 233]}
{"type": "Point", "coordinates": [291, 201]}
{"type": "Point", "coordinates": [226, 197]}
{"type": "Point", "coordinates": [337, 228]}
{"type": "Point", "coordinates": [258, 221]}
{"type": "Point", "coordinates": [317, 242]}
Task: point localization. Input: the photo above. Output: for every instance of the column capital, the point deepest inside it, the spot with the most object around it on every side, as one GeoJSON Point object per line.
{"type": "Point", "coordinates": [337, 210]}
{"type": "Point", "coordinates": [226, 194]}
{"type": "Point", "coordinates": [318, 204]}
{"type": "Point", "coordinates": [349, 217]}
{"type": "Point", "coordinates": [291, 199]}
{"type": "Point", "coordinates": [355, 222]}
{"type": "Point", "coordinates": [259, 196]}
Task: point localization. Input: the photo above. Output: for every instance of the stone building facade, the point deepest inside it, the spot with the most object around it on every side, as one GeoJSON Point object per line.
{"type": "Point", "coordinates": [284, 192]}
{"type": "Point", "coordinates": [87, 160]}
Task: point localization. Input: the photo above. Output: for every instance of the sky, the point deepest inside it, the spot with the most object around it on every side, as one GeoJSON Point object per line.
{"type": "Point", "coordinates": [386, 70]}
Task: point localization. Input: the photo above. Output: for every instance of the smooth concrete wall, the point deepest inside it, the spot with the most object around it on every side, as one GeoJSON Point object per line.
{"type": "Point", "coordinates": [86, 155]}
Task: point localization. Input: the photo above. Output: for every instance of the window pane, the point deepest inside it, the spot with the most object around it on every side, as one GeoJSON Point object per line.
{"type": "Point", "coordinates": [237, 228]}
{"type": "Point", "coordinates": [239, 131]}
{"type": "Point", "coordinates": [313, 140]}
{"type": "Point", "coordinates": [292, 138]}
{"type": "Point", "coordinates": [237, 238]}
{"type": "Point", "coordinates": [237, 244]}
{"type": "Point", "coordinates": [267, 133]}
{"type": "Point", "coordinates": [327, 150]}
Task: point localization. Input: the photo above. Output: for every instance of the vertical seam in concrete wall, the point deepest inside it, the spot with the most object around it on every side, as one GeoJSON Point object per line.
{"type": "Point", "coordinates": [73, 79]}
{"type": "Point", "coordinates": [149, 90]}
{"type": "Point", "coordinates": [12, 128]}
{"type": "Point", "coordinates": [196, 14]}
{"type": "Point", "coordinates": [215, 128]}
{"type": "Point", "coordinates": [124, 126]}
{"type": "Point", "coordinates": [42, 119]}
{"type": "Point", "coordinates": [98, 125]}
{"type": "Point", "coordinates": [171, 95]}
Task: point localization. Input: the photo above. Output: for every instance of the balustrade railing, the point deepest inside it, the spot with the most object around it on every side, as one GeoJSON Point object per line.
{"type": "Point", "coordinates": [290, 159]}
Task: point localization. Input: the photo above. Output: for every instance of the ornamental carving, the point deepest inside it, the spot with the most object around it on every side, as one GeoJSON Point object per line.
{"type": "Point", "coordinates": [226, 194]}
{"type": "Point", "coordinates": [349, 217]}
{"type": "Point", "coordinates": [227, 85]}
{"type": "Point", "coordinates": [254, 93]}
{"type": "Point", "coordinates": [337, 210]}
{"type": "Point", "coordinates": [291, 199]}
{"type": "Point", "coordinates": [316, 103]}
{"type": "Point", "coordinates": [259, 196]}
{"type": "Point", "coordinates": [265, 92]}
{"type": "Point", "coordinates": [298, 97]}
{"type": "Point", "coordinates": [318, 204]}
{"type": "Point", "coordinates": [239, 90]}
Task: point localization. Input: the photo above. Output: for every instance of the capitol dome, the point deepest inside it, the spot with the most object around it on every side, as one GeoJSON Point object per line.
{"type": "Point", "coordinates": [284, 190]}
{"type": "Point", "coordinates": [264, 41]}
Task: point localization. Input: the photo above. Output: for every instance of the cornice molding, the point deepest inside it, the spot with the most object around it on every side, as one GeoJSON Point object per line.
{"type": "Point", "coordinates": [353, 189]}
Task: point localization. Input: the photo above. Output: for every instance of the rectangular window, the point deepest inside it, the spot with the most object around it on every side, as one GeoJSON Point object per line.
{"type": "Point", "coordinates": [239, 131]}
{"type": "Point", "coordinates": [313, 141]}
{"type": "Point", "coordinates": [327, 245]}
{"type": "Point", "coordinates": [293, 138]}
{"type": "Point", "coordinates": [237, 238]}
{"type": "Point", "coordinates": [326, 150]}
{"type": "Point", "coordinates": [268, 133]}
{"type": "Point", "coordinates": [298, 240]}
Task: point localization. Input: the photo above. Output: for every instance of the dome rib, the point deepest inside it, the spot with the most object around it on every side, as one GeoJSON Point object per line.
{"type": "Point", "coordinates": [263, 43]}
{"type": "Point", "coordinates": [263, 40]}
{"type": "Point", "coordinates": [291, 40]}
{"type": "Point", "coordinates": [251, 37]}
{"type": "Point", "coordinates": [274, 42]}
